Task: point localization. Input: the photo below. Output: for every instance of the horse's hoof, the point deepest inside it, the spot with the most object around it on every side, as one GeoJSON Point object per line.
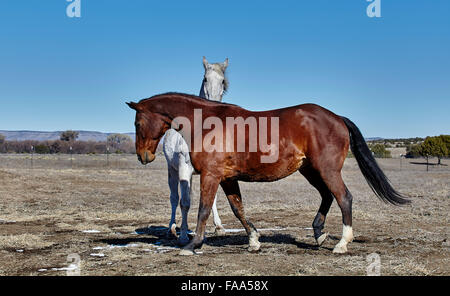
{"type": "Point", "coordinates": [170, 236]}
{"type": "Point", "coordinates": [185, 252]}
{"type": "Point", "coordinates": [321, 239]}
{"type": "Point", "coordinates": [254, 249]}
{"type": "Point", "coordinates": [183, 241]}
{"type": "Point", "coordinates": [254, 243]}
{"type": "Point", "coordinates": [340, 248]}
{"type": "Point", "coordinates": [220, 231]}
{"type": "Point", "coordinates": [173, 230]}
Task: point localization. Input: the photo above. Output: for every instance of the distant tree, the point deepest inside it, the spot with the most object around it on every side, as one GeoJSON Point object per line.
{"type": "Point", "coordinates": [433, 146]}
{"type": "Point", "coordinates": [119, 142]}
{"type": "Point", "coordinates": [2, 141]}
{"type": "Point", "coordinates": [69, 136]}
{"type": "Point", "coordinates": [446, 140]}
{"type": "Point", "coordinates": [413, 150]}
{"type": "Point", "coordinates": [41, 149]}
{"type": "Point", "coordinates": [379, 150]}
{"type": "Point", "coordinates": [118, 139]}
{"type": "Point", "coordinates": [55, 147]}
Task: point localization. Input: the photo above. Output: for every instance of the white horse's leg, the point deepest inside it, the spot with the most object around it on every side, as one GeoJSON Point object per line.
{"type": "Point", "coordinates": [185, 177]}
{"type": "Point", "coordinates": [185, 205]}
{"type": "Point", "coordinates": [174, 198]}
{"type": "Point", "coordinates": [217, 222]}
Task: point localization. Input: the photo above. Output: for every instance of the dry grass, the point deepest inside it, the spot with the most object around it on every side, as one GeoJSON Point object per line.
{"type": "Point", "coordinates": [52, 210]}
{"type": "Point", "coordinates": [23, 242]}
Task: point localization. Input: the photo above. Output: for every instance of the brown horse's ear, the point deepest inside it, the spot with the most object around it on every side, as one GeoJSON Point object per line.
{"type": "Point", "coordinates": [133, 105]}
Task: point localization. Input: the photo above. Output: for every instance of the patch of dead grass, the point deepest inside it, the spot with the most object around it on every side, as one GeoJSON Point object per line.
{"type": "Point", "coordinates": [24, 241]}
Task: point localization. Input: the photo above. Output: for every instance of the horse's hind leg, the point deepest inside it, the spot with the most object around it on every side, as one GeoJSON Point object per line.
{"type": "Point", "coordinates": [315, 180]}
{"type": "Point", "coordinates": [217, 222]}
{"type": "Point", "coordinates": [345, 203]}
{"type": "Point", "coordinates": [344, 199]}
{"type": "Point", "coordinates": [231, 189]}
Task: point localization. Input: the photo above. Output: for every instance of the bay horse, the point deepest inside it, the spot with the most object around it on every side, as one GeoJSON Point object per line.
{"type": "Point", "coordinates": [176, 152]}
{"type": "Point", "coordinates": [310, 139]}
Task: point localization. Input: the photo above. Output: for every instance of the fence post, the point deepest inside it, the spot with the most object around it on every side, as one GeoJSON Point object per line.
{"type": "Point", "coordinates": [107, 157]}
{"type": "Point", "coordinates": [71, 158]}
{"type": "Point", "coordinates": [32, 155]}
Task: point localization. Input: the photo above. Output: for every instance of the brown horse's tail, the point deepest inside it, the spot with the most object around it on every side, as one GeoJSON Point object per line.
{"type": "Point", "coordinates": [372, 172]}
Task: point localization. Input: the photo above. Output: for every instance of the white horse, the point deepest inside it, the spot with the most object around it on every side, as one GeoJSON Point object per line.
{"type": "Point", "coordinates": [176, 151]}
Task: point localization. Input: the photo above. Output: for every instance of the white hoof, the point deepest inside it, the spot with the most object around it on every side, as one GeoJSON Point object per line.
{"type": "Point", "coordinates": [219, 231]}
{"type": "Point", "coordinates": [173, 229]}
{"type": "Point", "coordinates": [340, 248]}
{"type": "Point", "coordinates": [321, 239]}
{"type": "Point", "coordinates": [184, 252]}
{"type": "Point", "coordinates": [254, 248]}
{"type": "Point", "coordinates": [254, 243]}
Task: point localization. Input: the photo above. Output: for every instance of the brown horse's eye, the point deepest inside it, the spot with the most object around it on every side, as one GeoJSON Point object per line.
{"type": "Point", "coordinates": [138, 127]}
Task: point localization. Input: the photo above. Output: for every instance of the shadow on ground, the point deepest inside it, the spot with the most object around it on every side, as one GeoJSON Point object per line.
{"type": "Point", "coordinates": [162, 237]}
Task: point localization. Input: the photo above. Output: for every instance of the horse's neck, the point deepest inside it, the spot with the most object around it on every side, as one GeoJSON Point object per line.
{"type": "Point", "coordinates": [173, 107]}
{"type": "Point", "coordinates": [203, 95]}
{"type": "Point", "coordinates": [202, 91]}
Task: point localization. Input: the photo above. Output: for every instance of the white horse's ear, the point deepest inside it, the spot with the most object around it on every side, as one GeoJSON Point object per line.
{"type": "Point", "coordinates": [205, 63]}
{"type": "Point", "coordinates": [225, 64]}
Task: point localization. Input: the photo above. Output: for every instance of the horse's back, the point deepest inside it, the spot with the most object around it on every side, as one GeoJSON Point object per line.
{"type": "Point", "coordinates": [306, 133]}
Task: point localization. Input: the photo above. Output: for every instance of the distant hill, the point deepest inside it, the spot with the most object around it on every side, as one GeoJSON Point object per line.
{"type": "Point", "coordinates": [374, 139]}
{"type": "Point", "coordinates": [47, 136]}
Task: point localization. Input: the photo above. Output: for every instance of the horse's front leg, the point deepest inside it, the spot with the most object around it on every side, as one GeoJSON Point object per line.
{"type": "Point", "coordinates": [209, 185]}
{"type": "Point", "coordinates": [185, 204]}
{"type": "Point", "coordinates": [174, 199]}
{"type": "Point", "coordinates": [231, 189]}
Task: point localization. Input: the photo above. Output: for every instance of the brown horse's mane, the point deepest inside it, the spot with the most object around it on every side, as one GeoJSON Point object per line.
{"type": "Point", "coordinates": [206, 102]}
{"type": "Point", "coordinates": [189, 96]}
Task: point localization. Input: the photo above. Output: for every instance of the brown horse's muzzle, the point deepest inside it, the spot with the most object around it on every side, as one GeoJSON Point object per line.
{"type": "Point", "coordinates": [146, 157]}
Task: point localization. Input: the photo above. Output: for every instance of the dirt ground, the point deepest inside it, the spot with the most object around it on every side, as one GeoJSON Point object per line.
{"type": "Point", "coordinates": [113, 213]}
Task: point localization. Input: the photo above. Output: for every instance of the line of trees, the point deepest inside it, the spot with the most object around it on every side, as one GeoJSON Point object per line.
{"type": "Point", "coordinates": [438, 146]}
{"type": "Point", "coordinates": [115, 143]}
{"type": "Point", "coordinates": [397, 143]}
{"type": "Point", "coordinates": [380, 151]}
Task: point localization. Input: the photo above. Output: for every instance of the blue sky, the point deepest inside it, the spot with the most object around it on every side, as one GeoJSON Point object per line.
{"type": "Point", "coordinates": [390, 75]}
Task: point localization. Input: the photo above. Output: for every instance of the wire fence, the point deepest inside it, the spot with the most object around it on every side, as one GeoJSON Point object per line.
{"type": "Point", "coordinates": [72, 161]}
{"type": "Point", "coordinates": [130, 162]}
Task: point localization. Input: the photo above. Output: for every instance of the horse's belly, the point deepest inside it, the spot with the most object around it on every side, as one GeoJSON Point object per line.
{"type": "Point", "coordinates": [269, 172]}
